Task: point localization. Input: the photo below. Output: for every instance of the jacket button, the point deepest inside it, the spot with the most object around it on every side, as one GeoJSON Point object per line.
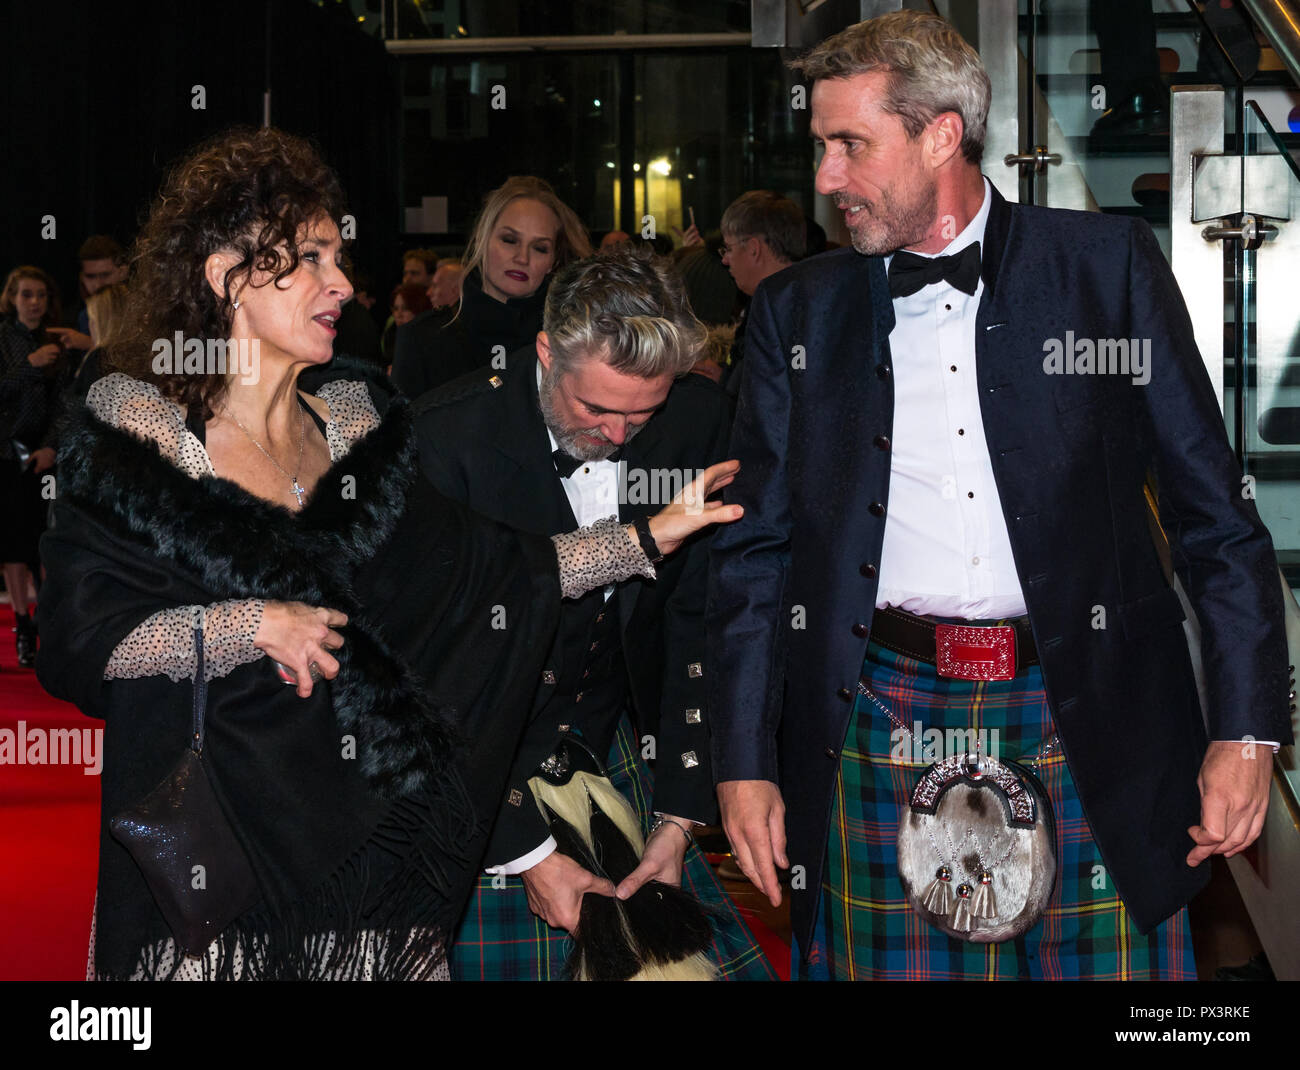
{"type": "Point", "coordinates": [876, 509]}
{"type": "Point", "coordinates": [882, 371]}
{"type": "Point", "coordinates": [830, 752]}
{"type": "Point", "coordinates": [881, 442]}
{"type": "Point", "coordinates": [860, 630]}
{"type": "Point", "coordinates": [844, 693]}
{"type": "Point", "coordinates": [868, 570]}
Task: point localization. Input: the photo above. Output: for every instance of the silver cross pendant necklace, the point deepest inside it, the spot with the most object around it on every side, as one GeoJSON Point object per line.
{"type": "Point", "coordinates": [299, 491]}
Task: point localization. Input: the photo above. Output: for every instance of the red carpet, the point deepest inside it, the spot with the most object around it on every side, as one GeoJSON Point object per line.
{"type": "Point", "coordinates": [49, 834]}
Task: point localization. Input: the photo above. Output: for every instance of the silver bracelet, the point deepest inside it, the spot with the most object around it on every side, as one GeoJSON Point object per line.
{"type": "Point", "coordinates": [661, 822]}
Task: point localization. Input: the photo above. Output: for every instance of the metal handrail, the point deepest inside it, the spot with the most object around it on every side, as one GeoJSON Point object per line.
{"type": "Point", "coordinates": [574, 43]}
{"type": "Point", "coordinates": [1280, 21]}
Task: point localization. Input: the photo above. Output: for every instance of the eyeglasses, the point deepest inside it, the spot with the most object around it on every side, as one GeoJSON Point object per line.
{"type": "Point", "coordinates": [727, 248]}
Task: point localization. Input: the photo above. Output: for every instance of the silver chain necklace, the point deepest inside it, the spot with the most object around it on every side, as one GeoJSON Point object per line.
{"type": "Point", "coordinates": [299, 491]}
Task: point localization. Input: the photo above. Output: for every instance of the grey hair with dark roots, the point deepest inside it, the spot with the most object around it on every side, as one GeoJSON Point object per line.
{"type": "Point", "coordinates": [627, 308]}
{"type": "Point", "coordinates": [932, 70]}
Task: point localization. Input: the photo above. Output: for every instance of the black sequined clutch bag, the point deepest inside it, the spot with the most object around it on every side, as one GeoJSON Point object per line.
{"type": "Point", "coordinates": [189, 855]}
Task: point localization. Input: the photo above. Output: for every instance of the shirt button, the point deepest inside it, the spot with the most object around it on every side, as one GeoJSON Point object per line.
{"type": "Point", "coordinates": [868, 570]}
{"type": "Point", "coordinates": [970, 494]}
{"type": "Point", "coordinates": [961, 430]}
{"type": "Point", "coordinates": [881, 442]}
{"type": "Point", "coordinates": [830, 752]}
{"type": "Point", "coordinates": [947, 308]}
{"type": "Point", "coordinates": [952, 367]}
{"type": "Point", "coordinates": [860, 630]}
{"type": "Point", "coordinates": [974, 560]}
{"type": "Point", "coordinates": [844, 693]}
{"type": "Point", "coordinates": [876, 509]}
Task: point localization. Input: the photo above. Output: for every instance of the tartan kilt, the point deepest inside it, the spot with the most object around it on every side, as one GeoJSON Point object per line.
{"type": "Point", "coordinates": [500, 939]}
{"type": "Point", "coordinates": [865, 929]}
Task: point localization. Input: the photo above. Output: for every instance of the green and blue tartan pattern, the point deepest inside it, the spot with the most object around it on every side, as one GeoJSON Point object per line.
{"type": "Point", "coordinates": [500, 939]}
{"type": "Point", "coordinates": [865, 929]}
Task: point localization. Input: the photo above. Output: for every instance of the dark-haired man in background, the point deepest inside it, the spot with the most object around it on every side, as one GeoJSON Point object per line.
{"type": "Point", "coordinates": [762, 233]}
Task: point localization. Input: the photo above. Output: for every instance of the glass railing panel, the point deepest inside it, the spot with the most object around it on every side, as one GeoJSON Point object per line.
{"type": "Point", "coordinates": [1268, 352]}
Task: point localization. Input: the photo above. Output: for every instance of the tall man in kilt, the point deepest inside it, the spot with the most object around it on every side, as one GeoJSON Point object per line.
{"type": "Point", "coordinates": [596, 421]}
{"type": "Point", "coordinates": [910, 463]}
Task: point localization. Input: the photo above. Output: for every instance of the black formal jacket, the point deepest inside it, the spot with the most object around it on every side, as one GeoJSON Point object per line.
{"type": "Point", "coordinates": [1070, 454]}
{"type": "Point", "coordinates": [436, 348]}
{"type": "Point", "coordinates": [482, 441]}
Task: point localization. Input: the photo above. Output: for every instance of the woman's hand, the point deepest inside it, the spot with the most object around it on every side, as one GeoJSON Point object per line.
{"type": "Point", "coordinates": [44, 356]}
{"type": "Point", "coordinates": [42, 459]}
{"type": "Point", "coordinates": [72, 338]}
{"type": "Point", "coordinates": [298, 635]}
{"type": "Point", "coordinates": [691, 511]}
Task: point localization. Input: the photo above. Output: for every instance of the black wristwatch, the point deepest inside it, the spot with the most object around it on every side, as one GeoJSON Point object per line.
{"type": "Point", "coordinates": [648, 546]}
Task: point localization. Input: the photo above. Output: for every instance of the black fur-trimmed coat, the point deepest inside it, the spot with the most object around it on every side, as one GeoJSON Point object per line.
{"type": "Point", "coordinates": [362, 809]}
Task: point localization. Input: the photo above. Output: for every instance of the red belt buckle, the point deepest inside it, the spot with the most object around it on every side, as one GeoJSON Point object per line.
{"type": "Point", "coordinates": [974, 652]}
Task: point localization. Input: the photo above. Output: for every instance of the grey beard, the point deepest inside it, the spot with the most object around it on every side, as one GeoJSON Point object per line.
{"type": "Point", "coordinates": [571, 441]}
{"type": "Point", "coordinates": [904, 225]}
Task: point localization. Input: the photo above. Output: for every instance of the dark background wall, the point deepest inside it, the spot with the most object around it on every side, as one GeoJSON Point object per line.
{"type": "Point", "coordinates": [96, 102]}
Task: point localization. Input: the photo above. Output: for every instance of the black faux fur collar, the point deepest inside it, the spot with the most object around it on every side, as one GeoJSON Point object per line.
{"type": "Point", "coordinates": [237, 545]}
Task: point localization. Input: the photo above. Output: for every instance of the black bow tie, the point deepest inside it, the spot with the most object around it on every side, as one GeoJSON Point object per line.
{"type": "Point", "coordinates": [566, 464]}
{"type": "Point", "coordinates": [910, 272]}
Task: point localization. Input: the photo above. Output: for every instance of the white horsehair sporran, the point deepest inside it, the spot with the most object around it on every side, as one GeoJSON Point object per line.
{"type": "Point", "coordinates": [977, 844]}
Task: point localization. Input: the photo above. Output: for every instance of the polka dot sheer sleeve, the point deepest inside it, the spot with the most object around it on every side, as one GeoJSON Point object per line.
{"type": "Point", "coordinates": [596, 555]}
{"type": "Point", "coordinates": [163, 644]}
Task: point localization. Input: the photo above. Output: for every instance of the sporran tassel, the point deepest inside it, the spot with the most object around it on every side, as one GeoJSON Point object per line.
{"type": "Point", "coordinates": [938, 894]}
{"type": "Point", "coordinates": [985, 903]}
{"type": "Point", "coordinates": [961, 920]}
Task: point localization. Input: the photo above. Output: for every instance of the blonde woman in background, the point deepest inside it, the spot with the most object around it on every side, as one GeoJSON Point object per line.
{"type": "Point", "coordinates": [106, 313]}
{"type": "Point", "coordinates": [523, 235]}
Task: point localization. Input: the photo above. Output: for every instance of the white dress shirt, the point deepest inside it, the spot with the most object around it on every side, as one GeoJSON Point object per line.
{"type": "Point", "coordinates": [946, 550]}
{"type": "Point", "coordinates": [592, 491]}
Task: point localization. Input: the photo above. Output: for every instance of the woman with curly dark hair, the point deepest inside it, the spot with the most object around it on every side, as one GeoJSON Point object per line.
{"type": "Point", "coordinates": [215, 523]}
{"type": "Point", "coordinates": [33, 369]}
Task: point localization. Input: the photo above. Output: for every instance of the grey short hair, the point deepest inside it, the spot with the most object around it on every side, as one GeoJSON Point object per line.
{"type": "Point", "coordinates": [767, 215]}
{"type": "Point", "coordinates": [932, 70]}
{"type": "Point", "coordinates": [625, 307]}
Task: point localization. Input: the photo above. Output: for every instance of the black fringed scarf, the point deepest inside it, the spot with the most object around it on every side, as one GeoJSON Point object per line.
{"type": "Point", "coordinates": [361, 808]}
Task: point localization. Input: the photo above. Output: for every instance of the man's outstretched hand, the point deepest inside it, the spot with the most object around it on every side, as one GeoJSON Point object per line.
{"type": "Point", "coordinates": [753, 817]}
{"type": "Point", "coordinates": [1234, 784]}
